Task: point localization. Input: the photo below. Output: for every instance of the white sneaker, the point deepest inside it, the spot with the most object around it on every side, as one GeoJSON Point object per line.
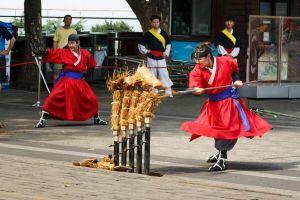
{"type": "Point", "coordinates": [169, 92]}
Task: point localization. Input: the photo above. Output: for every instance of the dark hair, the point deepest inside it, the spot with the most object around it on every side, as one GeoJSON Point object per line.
{"type": "Point", "coordinates": [202, 50]}
{"type": "Point", "coordinates": [73, 37]}
{"type": "Point", "coordinates": [229, 18]}
{"type": "Point", "coordinates": [67, 16]}
{"type": "Point", "coordinates": [155, 17]}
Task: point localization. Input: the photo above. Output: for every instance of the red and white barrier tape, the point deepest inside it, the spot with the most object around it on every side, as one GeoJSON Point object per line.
{"type": "Point", "coordinates": [96, 67]}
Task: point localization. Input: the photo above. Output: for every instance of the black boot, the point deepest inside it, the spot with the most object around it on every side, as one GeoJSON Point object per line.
{"type": "Point", "coordinates": [213, 158]}
{"type": "Point", "coordinates": [220, 164]}
{"type": "Point", "coordinates": [99, 121]}
{"type": "Point", "coordinates": [41, 122]}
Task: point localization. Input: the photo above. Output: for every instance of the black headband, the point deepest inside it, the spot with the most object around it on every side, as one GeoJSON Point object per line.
{"type": "Point", "coordinates": [73, 37]}
{"type": "Point", "coordinates": [201, 51]}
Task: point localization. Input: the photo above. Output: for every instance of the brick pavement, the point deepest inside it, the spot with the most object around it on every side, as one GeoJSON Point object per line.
{"type": "Point", "coordinates": [38, 179]}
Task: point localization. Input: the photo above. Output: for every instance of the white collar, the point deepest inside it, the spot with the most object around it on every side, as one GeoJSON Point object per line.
{"type": "Point", "coordinates": [213, 72]}
{"type": "Point", "coordinates": [158, 30]}
{"type": "Point", "coordinates": [78, 56]}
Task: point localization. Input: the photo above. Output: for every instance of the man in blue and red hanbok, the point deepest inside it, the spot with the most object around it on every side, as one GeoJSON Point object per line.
{"type": "Point", "coordinates": [223, 117]}
{"type": "Point", "coordinates": [71, 97]}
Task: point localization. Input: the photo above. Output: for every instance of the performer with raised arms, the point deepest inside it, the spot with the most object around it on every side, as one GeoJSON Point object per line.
{"type": "Point", "coordinates": [71, 98]}
{"type": "Point", "coordinates": [223, 117]}
{"type": "Point", "coordinates": [157, 46]}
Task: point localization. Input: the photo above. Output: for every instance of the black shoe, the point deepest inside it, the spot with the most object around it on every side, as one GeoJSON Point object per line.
{"type": "Point", "coordinates": [220, 165]}
{"type": "Point", "coordinates": [213, 158]}
{"type": "Point", "coordinates": [98, 121]}
{"type": "Point", "coordinates": [40, 124]}
{"type": "Point", "coordinates": [2, 125]}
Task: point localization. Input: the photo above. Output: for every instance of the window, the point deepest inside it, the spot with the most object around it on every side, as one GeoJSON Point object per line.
{"type": "Point", "coordinates": [191, 17]}
{"type": "Point", "coordinates": [274, 7]}
{"type": "Point", "coordinates": [265, 8]}
{"type": "Point", "coordinates": [281, 9]}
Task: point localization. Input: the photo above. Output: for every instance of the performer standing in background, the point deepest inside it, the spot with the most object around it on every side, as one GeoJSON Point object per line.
{"type": "Point", "coordinates": [223, 117]}
{"type": "Point", "coordinates": [71, 98]}
{"type": "Point", "coordinates": [5, 35]}
{"type": "Point", "coordinates": [60, 40]}
{"type": "Point", "coordinates": [157, 46]}
{"type": "Point", "coordinates": [227, 41]}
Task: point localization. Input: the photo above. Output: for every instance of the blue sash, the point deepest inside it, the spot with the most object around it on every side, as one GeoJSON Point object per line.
{"type": "Point", "coordinates": [69, 74]}
{"type": "Point", "coordinates": [230, 92]}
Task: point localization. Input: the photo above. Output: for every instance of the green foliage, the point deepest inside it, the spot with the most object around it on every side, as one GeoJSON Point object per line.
{"type": "Point", "coordinates": [79, 25]}
{"type": "Point", "coordinates": [117, 26]}
{"type": "Point", "coordinates": [51, 25]}
{"type": "Point", "coordinates": [19, 22]}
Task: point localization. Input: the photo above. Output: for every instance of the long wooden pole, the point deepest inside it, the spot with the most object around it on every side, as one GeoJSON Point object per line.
{"type": "Point", "coordinates": [191, 90]}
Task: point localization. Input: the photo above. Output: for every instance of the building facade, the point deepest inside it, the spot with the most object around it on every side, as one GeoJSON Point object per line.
{"type": "Point", "coordinates": [193, 21]}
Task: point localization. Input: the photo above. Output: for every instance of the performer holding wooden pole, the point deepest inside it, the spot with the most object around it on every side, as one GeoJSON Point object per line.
{"type": "Point", "coordinates": [223, 117]}
{"type": "Point", "coordinates": [71, 97]}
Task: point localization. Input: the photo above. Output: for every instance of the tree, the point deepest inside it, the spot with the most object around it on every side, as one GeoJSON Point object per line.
{"type": "Point", "coordinates": [28, 76]}
{"type": "Point", "coordinates": [19, 22]}
{"type": "Point", "coordinates": [119, 26]}
{"type": "Point", "coordinates": [51, 25]}
{"type": "Point", "coordinates": [144, 9]}
{"type": "Point", "coordinates": [78, 26]}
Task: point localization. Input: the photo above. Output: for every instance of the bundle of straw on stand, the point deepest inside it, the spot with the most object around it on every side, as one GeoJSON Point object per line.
{"type": "Point", "coordinates": [115, 109]}
{"type": "Point", "coordinates": [144, 74]}
{"type": "Point", "coordinates": [141, 106]}
{"type": "Point", "coordinates": [132, 108]}
{"type": "Point", "coordinates": [124, 122]}
{"type": "Point", "coordinates": [115, 85]}
{"type": "Point", "coordinates": [153, 99]}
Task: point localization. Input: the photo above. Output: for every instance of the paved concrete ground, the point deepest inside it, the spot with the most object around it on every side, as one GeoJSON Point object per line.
{"type": "Point", "coordinates": [37, 163]}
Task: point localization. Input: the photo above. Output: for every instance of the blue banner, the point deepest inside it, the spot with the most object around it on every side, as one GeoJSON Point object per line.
{"type": "Point", "coordinates": [182, 50]}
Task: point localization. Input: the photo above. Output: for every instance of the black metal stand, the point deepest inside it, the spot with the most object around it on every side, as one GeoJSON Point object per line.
{"type": "Point", "coordinates": [133, 166]}
{"type": "Point", "coordinates": [131, 152]}
{"type": "Point", "coordinates": [147, 150]}
{"type": "Point", "coordinates": [116, 153]}
{"type": "Point", "coordinates": [139, 152]}
{"type": "Point", "coordinates": [124, 151]}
